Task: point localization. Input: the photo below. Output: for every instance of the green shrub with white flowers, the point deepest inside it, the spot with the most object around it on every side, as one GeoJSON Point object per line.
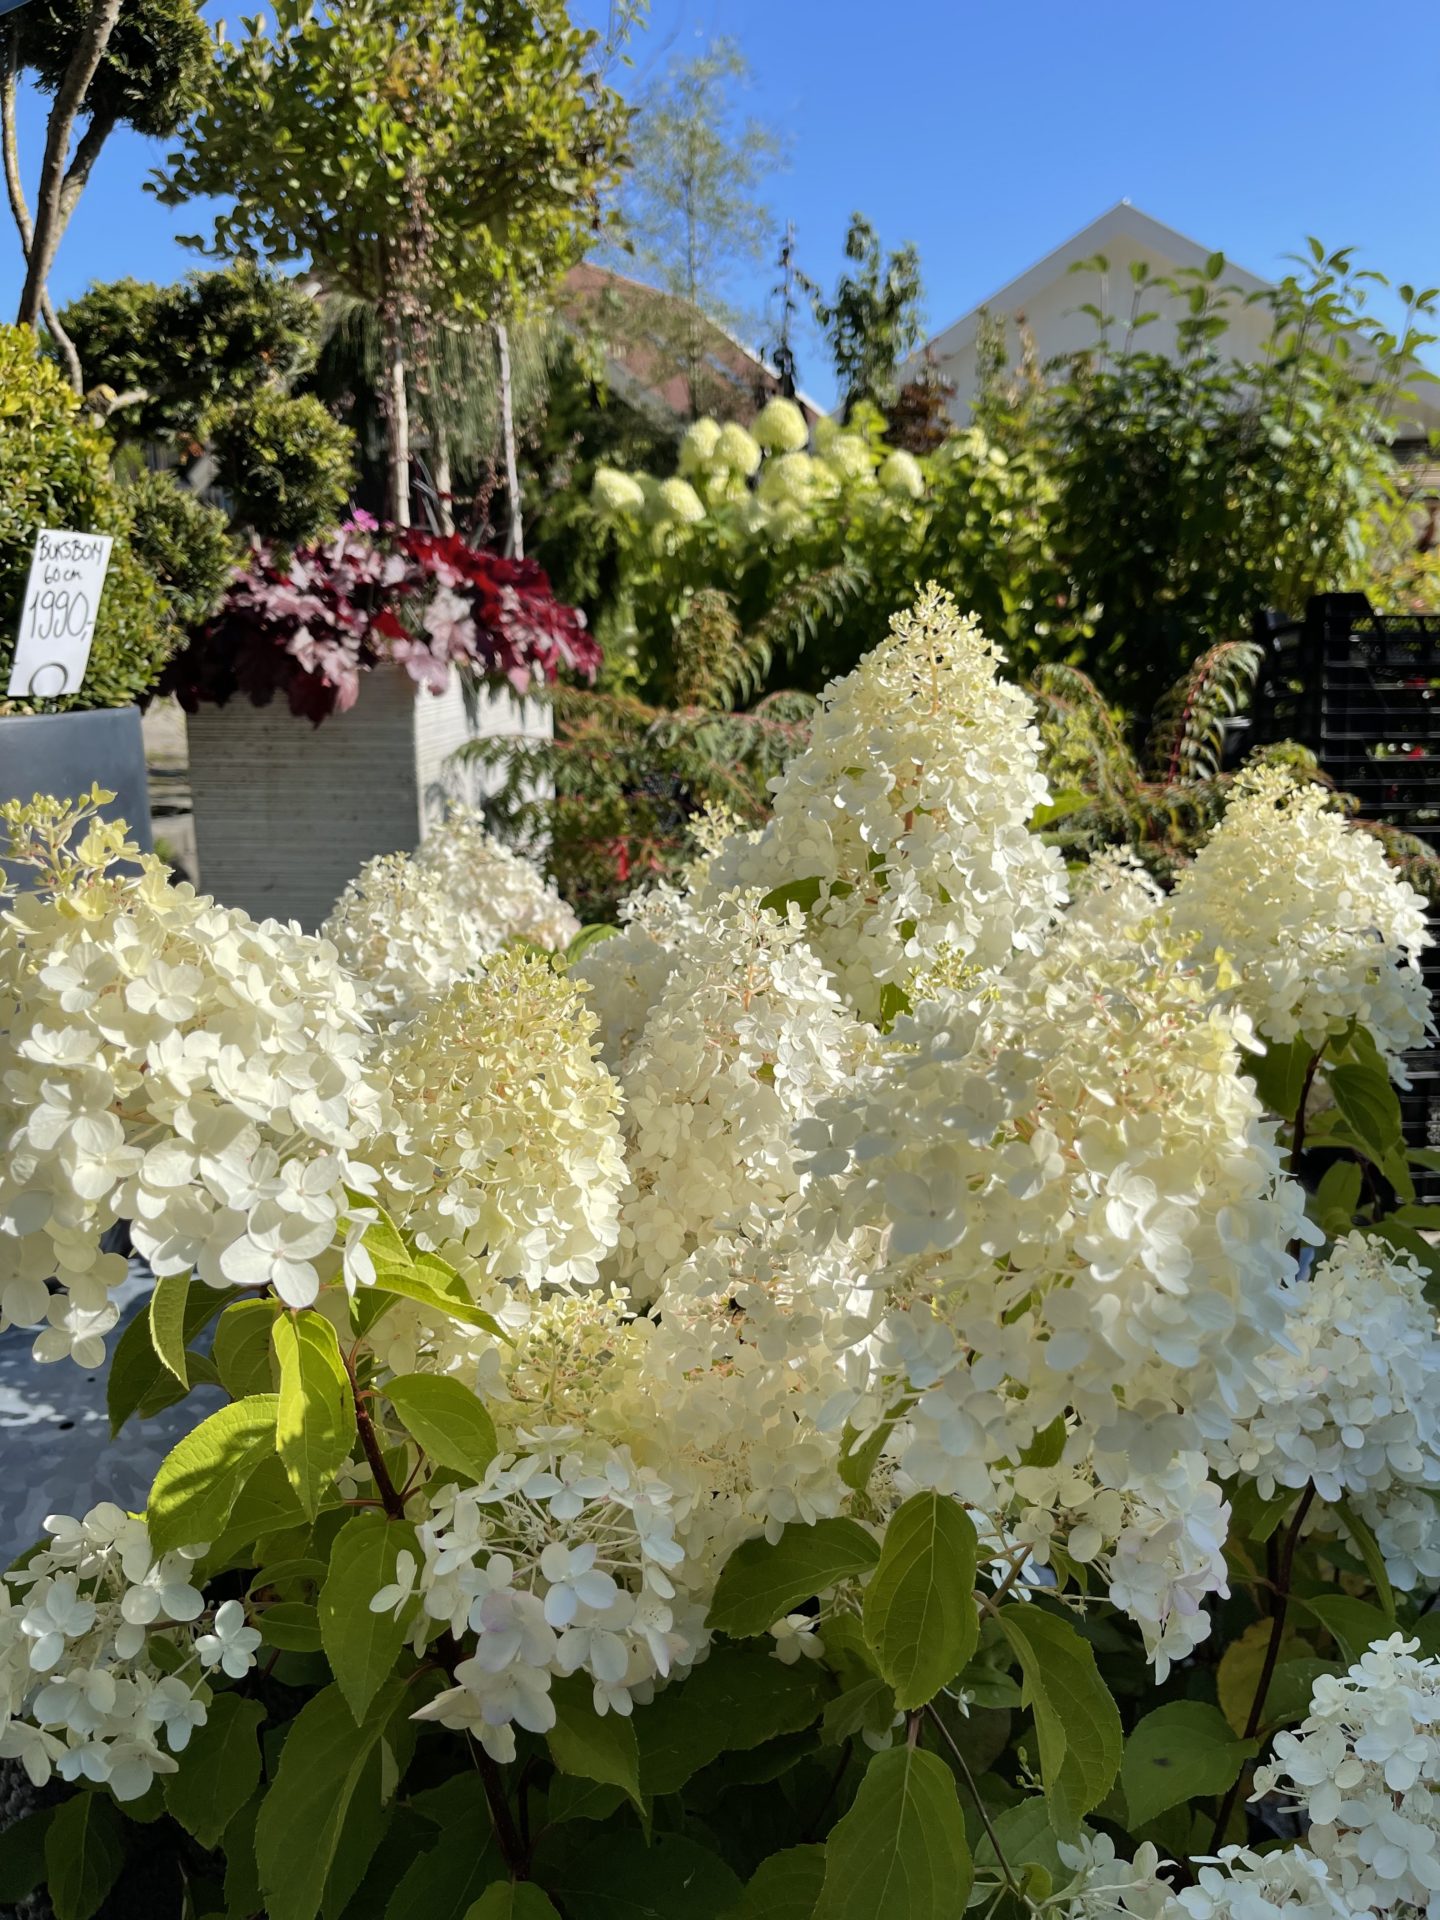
{"type": "Point", "coordinates": [900, 1382]}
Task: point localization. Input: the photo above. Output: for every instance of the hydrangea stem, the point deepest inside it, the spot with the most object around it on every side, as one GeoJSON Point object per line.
{"type": "Point", "coordinates": [1272, 1652]}
{"type": "Point", "coordinates": [390, 1495]}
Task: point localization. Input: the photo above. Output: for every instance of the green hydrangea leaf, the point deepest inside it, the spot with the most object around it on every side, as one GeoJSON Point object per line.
{"type": "Point", "coordinates": [600, 1747]}
{"type": "Point", "coordinates": [1181, 1751]}
{"type": "Point", "coordinates": [242, 1347]}
{"type": "Point", "coordinates": [1077, 1723]}
{"type": "Point", "coordinates": [737, 1699]}
{"type": "Point", "coordinates": [761, 1583]}
{"type": "Point", "coordinates": [84, 1852]}
{"type": "Point", "coordinates": [201, 1477]}
{"type": "Point", "coordinates": [784, 1887]}
{"type": "Point", "coordinates": [362, 1646]}
{"type": "Point", "coordinates": [445, 1418]}
{"type": "Point", "coordinates": [921, 1618]}
{"type": "Point", "coordinates": [315, 1422]}
{"type": "Point", "coordinates": [168, 1299]}
{"type": "Point", "coordinates": [301, 1816]}
{"type": "Point", "coordinates": [901, 1849]}
{"type": "Point", "coordinates": [513, 1900]}
{"type": "Point", "coordinates": [220, 1769]}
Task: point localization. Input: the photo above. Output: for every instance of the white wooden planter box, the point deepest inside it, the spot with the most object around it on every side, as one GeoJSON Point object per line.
{"type": "Point", "coordinates": [286, 812]}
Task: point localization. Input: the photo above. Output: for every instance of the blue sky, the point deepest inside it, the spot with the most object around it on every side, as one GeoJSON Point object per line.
{"type": "Point", "coordinates": [989, 133]}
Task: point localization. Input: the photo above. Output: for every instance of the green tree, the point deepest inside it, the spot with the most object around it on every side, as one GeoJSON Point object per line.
{"type": "Point", "coordinates": [169, 354]}
{"type": "Point", "coordinates": [873, 321]}
{"type": "Point", "coordinates": [690, 210]}
{"type": "Point", "coordinates": [442, 156]}
{"type": "Point", "coordinates": [134, 63]}
{"type": "Point", "coordinates": [208, 366]}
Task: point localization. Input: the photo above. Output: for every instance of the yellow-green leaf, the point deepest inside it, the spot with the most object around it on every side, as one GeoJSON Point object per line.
{"type": "Point", "coordinates": [167, 1323]}
{"type": "Point", "coordinates": [1077, 1723]}
{"type": "Point", "coordinates": [444, 1417]}
{"type": "Point", "coordinates": [362, 1646]}
{"type": "Point", "coordinates": [200, 1478]}
{"type": "Point", "coordinates": [315, 1420]}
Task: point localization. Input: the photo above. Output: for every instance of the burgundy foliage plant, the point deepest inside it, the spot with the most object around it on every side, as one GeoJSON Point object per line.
{"type": "Point", "coordinates": [308, 625]}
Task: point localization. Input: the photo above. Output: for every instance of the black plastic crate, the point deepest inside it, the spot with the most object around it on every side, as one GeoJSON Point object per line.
{"type": "Point", "coordinates": [1362, 690]}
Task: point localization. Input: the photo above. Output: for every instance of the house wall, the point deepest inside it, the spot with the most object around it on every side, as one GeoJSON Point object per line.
{"type": "Point", "coordinates": [1052, 314]}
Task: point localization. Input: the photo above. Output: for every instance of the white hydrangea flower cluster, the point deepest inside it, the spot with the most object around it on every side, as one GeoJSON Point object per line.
{"type": "Point", "coordinates": [505, 896]}
{"type": "Point", "coordinates": [761, 483]}
{"type": "Point", "coordinates": [1084, 1215]}
{"type": "Point", "coordinates": [1106, 1887]}
{"type": "Point", "coordinates": [1157, 1537]}
{"type": "Point", "coordinates": [401, 931]}
{"type": "Point", "coordinates": [1350, 1401]}
{"type": "Point", "coordinates": [176, 1065]}
{"type": "Point", "coordinates": [104, 1650]}
{"type": "Point", "coordinates": [408, 928]}
{"type": "Point", "coordinates": [908, 812]}
{"type": "Point", "coordinates": [624, 975]}
{"type": "Point", "coordinates": [737, 1047]}
{"type": "Point", "coordinates": [1365, 1766]}
{"type": "Point", "coordinates": [502, 1144]}
{"type": "Point", "coordinates": [1240, 1884]}
{"type": "Point", "coordinates": [780, 427]}
{"type": "Point", "coordinates": [1320, 931]}
{"type": "Point", "coordinates": [560, 1563]}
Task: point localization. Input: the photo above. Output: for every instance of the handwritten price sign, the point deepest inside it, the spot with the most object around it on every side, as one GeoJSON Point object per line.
{"type": "Point", "coordinates": [57, 617]}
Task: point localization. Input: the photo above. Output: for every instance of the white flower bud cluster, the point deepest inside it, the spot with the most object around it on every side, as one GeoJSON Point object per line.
{"type": "Point", "coordinates": [502, 1145]}
{"type": "Point", "coordinates": [410, 928]}
{"type": "Point", "coordinates": [1365, 1766]}
{"type": "Point", "coordinates": [105, 1649]}
{"type": "Point", "coordinates": [1350, 1401]}
{"type": "Point", "coordinates": [560, 1563]}
{"type": "Point", "coordinates": [1300, 906]}
{"type": "Point", "coordinates": [176, 1065]}
{"type": "Point", "coordinates": [909, 811]}
{"type": "Point", "coordinates": [738, 1046]}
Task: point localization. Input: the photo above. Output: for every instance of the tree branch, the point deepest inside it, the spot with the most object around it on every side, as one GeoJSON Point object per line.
{"type": "Point", "coordinates": [77, 174]}
{"type": "Point", "coordinates": [50, 215]}
{"type": "Point", "coordinates": [9, 76]}
{"type": "Point", "coordinates": [15, 187]}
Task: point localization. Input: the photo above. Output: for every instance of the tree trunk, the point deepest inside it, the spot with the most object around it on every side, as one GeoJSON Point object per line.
{"type": "Point", "coordinates": [515, 533]}
{"type": "Point", "coordinates": [397, 427]}
{"type": "Point", "coordinates": [57, 195]}
{"type": "Point", "coordinates": [444, 479]}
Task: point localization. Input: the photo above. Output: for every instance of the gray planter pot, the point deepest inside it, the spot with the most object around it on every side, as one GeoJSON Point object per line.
{"type": "Point", "coordinates": [286, 813]}
{"type": "Point", "coordinates": [65, 754]}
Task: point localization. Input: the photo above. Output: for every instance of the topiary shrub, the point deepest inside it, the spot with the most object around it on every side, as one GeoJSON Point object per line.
{"type": "Point", "coordinates": [285, 462]}
{"type": "Point", "coordinates": [55, 472]}
{"type": "Point", "coordinates": [186, 545]}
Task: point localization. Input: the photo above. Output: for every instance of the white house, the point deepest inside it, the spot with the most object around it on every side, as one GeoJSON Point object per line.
{"type": "Point", "coordinates": [1048, 298]}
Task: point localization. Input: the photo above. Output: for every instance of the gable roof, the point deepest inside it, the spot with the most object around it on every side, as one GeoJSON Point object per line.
{"type": "Point", "coordinates": [1171, 247]}
{"type": "Point", "coordinates": [642, 373]}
